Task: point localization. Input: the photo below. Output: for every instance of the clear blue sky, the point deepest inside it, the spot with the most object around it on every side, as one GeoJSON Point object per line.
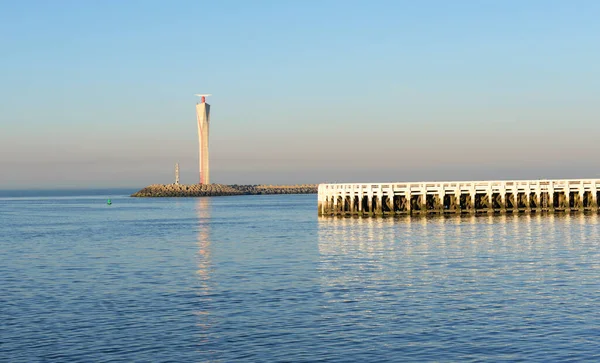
{"type": "Point", "coordinates": [100, 93]}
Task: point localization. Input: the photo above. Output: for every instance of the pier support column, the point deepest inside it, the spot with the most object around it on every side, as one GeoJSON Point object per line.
{"type": "Point", "coordinates": [360, 203]}
{"type": "Point", "coordinates": [408, 203]}
{"type": "Point", "coordinates": [423, 204]}
{"type": "Point", "coordinates": [551, 197]}
{"type": "Point", "coordinates": [390, 200]}
{"type": "Point", "coordinates": [563, 201]}
{"type": "Point", "coordinates": [594, 197]}
{"type": "Point", "coordinates": [502, 202]}
{"type": "Point", "coordinates": [490, 202]}
{"type": "Point", "coordinates": [544, 205]}
{"type": "Point", "coordinates": [471, 203]}
{"type": "Point", "coordinates": [438, 203]}
{"type": "Point", "coordinates": [335, 204]}
{"type": "Point", "coordinates": [514, 201]}
{"type": "Point", "coordinates": [379, 202]}
{"type": "Point", "coordinates": [457, 202]}
{"type": "Point", "coordinates": [594, 200]}
{"type": "Point", "coordinates": [568, 201]}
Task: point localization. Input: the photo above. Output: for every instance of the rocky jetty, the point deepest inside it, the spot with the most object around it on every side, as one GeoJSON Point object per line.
{"type": "Point", "coordinates": [213, 190]}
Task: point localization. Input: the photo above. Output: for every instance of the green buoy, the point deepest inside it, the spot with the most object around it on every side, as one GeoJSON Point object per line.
{"type": "Point", "coordinates": [108, 202]}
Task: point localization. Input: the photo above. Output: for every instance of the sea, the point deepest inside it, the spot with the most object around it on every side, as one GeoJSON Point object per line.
{"type": "Point", "coordinates": [264, 279]}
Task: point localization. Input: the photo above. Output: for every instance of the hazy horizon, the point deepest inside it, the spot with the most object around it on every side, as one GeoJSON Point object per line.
{"type": "Point", "coordinates": [101, 94]}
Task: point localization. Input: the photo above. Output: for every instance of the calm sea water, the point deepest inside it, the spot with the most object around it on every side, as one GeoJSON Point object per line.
{"type": "Point", "coordinates": [263, 279]}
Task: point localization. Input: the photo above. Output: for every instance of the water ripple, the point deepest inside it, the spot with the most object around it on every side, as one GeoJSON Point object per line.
{"type": "Point", "coordinates": [261, 278]}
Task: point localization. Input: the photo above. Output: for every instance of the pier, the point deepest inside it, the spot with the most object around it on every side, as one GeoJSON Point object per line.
{"type": "Point", "coordinates": [425, 198]}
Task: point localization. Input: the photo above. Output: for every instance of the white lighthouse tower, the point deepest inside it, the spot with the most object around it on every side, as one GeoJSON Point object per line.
{"type": "Point", "coordinates": [203, 117]}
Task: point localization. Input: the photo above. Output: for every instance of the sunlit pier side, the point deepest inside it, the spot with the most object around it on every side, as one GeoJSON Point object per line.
{"type": "Point", "coordinates": [508, 196]}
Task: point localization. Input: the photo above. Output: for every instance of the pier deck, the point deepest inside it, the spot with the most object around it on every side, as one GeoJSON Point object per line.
{"type": "Point", "coordinates": [422, 198]}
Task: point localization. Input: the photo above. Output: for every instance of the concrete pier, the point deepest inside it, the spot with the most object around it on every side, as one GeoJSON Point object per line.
{"type": "Point", "coordinates": [424, 198]}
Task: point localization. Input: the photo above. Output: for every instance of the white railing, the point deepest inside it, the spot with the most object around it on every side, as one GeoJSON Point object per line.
{"type": "Point", "coordinates": [466, 186]}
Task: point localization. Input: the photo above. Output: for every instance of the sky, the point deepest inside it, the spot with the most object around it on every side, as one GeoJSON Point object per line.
{"type": "Point", "coordinates": [101, 93]}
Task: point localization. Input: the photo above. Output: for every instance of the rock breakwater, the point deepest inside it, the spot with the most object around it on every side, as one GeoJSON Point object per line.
{"type": "Point", "coordinates": [213, 190]}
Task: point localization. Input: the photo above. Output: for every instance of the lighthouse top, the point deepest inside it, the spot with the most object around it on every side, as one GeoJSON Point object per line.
{"type": "Point", "coordinates": [203, 95]}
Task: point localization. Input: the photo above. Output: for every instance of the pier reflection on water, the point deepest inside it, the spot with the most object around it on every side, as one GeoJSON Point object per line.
{"type": "Point", "coordinates": [467, 245]}
{"type": "Point", "coordinates": [453, 234]}
{"type": "Point", "coordinates": [473, 287]}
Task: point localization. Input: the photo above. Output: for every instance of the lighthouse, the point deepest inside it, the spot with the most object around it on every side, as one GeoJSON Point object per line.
{"type": "Point", "coordinates": [203, 118]}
